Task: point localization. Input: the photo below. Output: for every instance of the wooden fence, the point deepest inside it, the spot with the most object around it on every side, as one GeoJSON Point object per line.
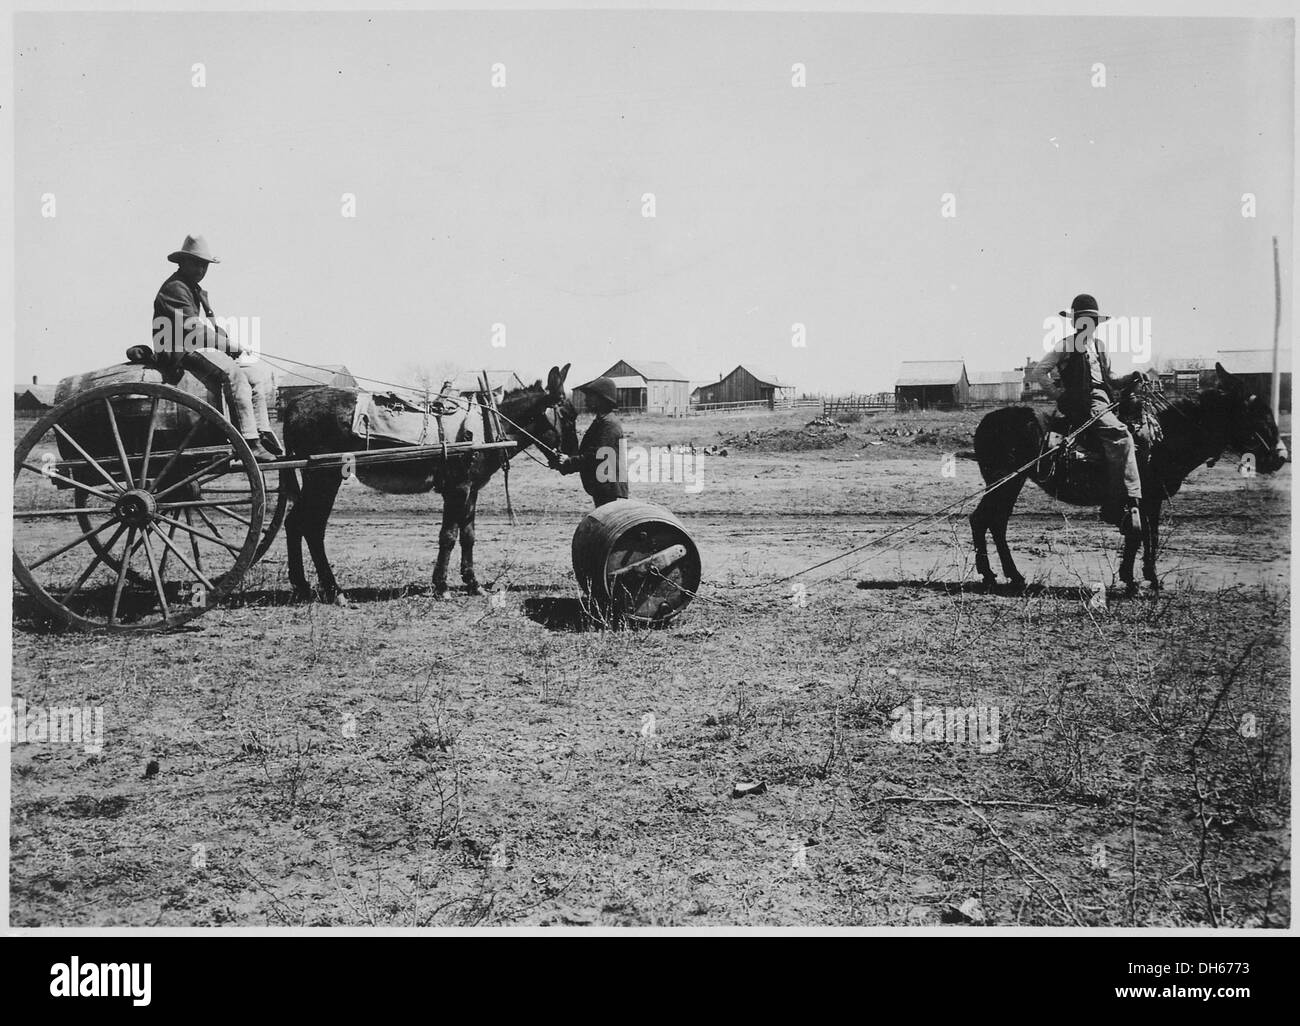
{"type": "Point", "coordinates": [754, 404]}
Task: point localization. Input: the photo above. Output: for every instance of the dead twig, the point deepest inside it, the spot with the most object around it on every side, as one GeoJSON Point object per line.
{"type": "Point", "coordinates": [997, 836]}
{"type": "Point", "coordinates": [931, 799]}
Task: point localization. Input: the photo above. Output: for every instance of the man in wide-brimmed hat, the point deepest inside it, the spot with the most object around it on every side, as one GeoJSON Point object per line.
{"type": "Point", "coordinates": [1087, 389]}
{"type": "Point", "coordinates": [185, 336]}
{"type": "Point", "coordinates": [600, 458]}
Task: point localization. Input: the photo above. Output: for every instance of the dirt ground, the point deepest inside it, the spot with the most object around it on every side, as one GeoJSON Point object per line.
{"type": "Point", "coordinates": [491, 760]}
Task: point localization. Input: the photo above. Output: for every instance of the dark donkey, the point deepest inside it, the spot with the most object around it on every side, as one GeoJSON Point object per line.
{"type": "Point", "coordinates": [1197, 429]}
{"type": "Point", "coordinates": [320, 421]}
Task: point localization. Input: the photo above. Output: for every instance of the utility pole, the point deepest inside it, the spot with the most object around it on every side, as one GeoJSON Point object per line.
{"type": "Point", "coordinates": [1275, 395]}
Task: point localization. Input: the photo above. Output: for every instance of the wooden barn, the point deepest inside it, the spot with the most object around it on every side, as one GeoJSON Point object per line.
{"type": "Point", "coordinates": [996, 386]}
{"type": "Point", "coordinates": [34, 398]}
{"type": "Point", "coordinates": [1255, 368]}
{"type": "Point", "coordinates": [746, 384]}
{"type": "Point", "coordinates": [932, 384]}
{"type": "Point", "coordinates": [290, 384]}
{"type": "Point", "coordinates": [648, 386]}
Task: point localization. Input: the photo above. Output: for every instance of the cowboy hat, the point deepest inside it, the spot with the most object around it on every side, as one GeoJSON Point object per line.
{"type": "Point", "coordinates": [1084, 304]}
{"type": "Point", "coordinates": [603, 387]}
{"type": "Point", "coordinates": [196, 248]}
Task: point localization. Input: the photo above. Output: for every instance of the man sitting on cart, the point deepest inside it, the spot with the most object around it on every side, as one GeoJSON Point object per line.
{"type": "Point", "coordinates": [185, 337]}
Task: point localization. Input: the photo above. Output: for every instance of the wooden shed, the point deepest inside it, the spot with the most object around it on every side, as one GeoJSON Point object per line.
{"type": "Point", "coordinates": [645, 386]}
{"type": "Point", "coordinates": [34, 398]}
{"type": "Point", "coordinates": [1255, 368]}
{"type": "Point", "coordinates": [746, 384]}
{"type": "Point", "coordinates": [932, 384]}
{"type": "Point", "coordinates": [333, 375]}
{"type": "Point", "coordinates": [996, 386]}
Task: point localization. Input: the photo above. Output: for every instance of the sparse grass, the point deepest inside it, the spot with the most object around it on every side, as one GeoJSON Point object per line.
{"type": "Point", "coordinates": [413, 762]}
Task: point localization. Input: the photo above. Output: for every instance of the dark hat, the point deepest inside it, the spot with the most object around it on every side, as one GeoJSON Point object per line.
{"type": "Point", "coordinates": [1084, 304]}
{"type": "Point", "coordinates": [603, 387]}
{"type": "Point", "coordinates": [196, 248]}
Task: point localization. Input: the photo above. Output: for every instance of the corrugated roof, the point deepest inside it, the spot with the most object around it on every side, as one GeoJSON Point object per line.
{"type": "Point", "coordinates": [994, 377]}
{"type": "Point", "coordinates": [1254, 361]}
{"type": "Point", "coordinates": [339, 377]}
{"type": "Point", "coordinates": [655, 370]}
{"type": "Point", "coordinates": [930, 372]}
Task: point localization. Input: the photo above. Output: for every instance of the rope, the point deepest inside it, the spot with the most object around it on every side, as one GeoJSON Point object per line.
{"type": "Point", "coordinates": [272, 359]}
{"type": "Point", "coordinates": [1064, 443]}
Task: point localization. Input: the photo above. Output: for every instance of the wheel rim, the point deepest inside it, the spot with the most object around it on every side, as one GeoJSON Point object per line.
{"type": "Point", "coordinates": [121, 520]}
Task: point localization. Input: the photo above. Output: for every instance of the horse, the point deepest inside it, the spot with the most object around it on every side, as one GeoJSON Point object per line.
{"type": "Point", "coordinates": [1197, 429]}
{"type": "Point", "coordinates": [320, 421]}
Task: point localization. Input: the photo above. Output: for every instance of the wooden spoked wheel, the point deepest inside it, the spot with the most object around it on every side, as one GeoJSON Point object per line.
{"type": "Point", "coordinates": [137, 506]}
{"type": "Point", "coordinates": [227, 487]}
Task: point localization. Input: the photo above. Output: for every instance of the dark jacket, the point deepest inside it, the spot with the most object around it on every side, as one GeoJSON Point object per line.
{"type": "Point", "coordinates": [600, 459]}
{"type": "Point", "coordinates": [1077, 382]}
{"type": "Point", "coordinates": [179, 302]}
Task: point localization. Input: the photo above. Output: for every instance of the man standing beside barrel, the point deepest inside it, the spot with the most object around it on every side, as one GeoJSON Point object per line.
{"type": "Point", "coordinates": [601, 460]}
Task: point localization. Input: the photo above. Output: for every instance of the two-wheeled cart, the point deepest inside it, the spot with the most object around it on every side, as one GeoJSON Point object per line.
{"type": "Point", "coordinates": [139, 506]}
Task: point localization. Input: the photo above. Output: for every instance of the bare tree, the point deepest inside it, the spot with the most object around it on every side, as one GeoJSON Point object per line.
{"type": "Point", "coordinates": [431, 377]}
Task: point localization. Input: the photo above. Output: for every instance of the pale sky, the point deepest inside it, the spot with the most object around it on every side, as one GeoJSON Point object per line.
{"type": "Point", "coordinates": [774, 205]}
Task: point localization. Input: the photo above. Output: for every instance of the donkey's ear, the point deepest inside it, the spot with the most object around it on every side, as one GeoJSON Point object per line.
{"type": "Point", "coordinates": [554, 381]}
{"type": "Point", "coordinates": [564, 372]}
{"type": "Point", "coordinates": [1227, 382]}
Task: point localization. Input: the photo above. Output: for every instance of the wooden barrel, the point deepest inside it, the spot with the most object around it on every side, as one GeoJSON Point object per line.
{"type": "Point", "coordinates": [636, 562]}
{"type": "Point", "coordinates": [90, 426]}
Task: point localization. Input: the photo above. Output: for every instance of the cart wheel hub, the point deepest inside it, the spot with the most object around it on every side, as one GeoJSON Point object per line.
{"type": "Point", "coordinates": [136, 508]}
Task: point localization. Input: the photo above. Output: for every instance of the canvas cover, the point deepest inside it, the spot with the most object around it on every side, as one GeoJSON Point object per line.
{"type": "Point", "coordinates": [385, 419]}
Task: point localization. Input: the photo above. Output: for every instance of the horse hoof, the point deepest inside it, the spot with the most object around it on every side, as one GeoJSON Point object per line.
{"type": "Point", "coordinates": [989, 583]}
{"type": "Point", "coordinates": [341, 599]}
{"type": "Point", "coordinates": [473, 589]}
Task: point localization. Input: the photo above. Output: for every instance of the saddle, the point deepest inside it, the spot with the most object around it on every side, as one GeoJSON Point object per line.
{"type": "Point", "coordinates": [1079, 457]}
{"type": "Point", "coordinates": [142, 354]}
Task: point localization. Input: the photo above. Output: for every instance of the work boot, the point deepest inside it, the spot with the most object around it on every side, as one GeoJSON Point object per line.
{"type": "Point", "coordinates": [271, 443]}
{"type": "Point", "coordinates": [260, 454]}
{"type": "Point", "coordinates": [1132, 523]}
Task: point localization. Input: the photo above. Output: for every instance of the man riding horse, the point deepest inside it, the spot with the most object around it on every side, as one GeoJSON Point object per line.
{"type": "Point", "coordinates": [1087, 390]}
